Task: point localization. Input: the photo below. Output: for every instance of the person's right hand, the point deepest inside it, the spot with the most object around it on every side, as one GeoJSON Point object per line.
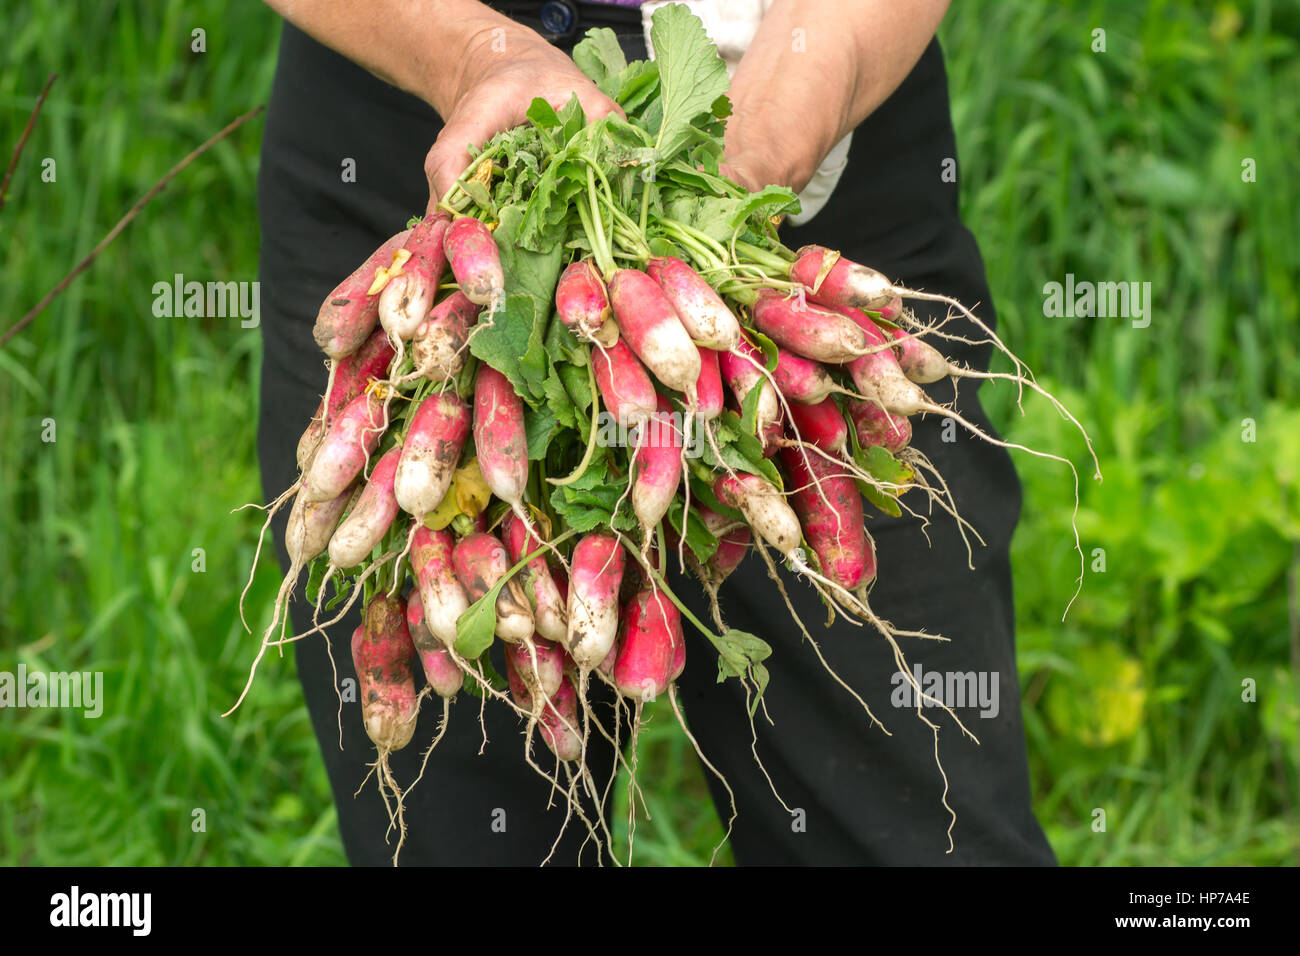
{"type": "Point", "coordinates": [501, 73]}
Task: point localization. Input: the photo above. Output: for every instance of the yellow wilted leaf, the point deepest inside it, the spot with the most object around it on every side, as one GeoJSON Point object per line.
{"type": "Point", "coordinates": [468, 495]}
{"type": "Point", "coordinates": [469, 489]}
{"type": "Point", "coordinates": [385, 273]}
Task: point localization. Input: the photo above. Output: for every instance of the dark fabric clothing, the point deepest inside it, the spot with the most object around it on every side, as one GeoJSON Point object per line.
{"type": "Point", "coordinates": [865, 797]}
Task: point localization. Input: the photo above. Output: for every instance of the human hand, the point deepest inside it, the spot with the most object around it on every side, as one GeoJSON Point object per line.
{"type": "Point", "coordinates": [492, 90]}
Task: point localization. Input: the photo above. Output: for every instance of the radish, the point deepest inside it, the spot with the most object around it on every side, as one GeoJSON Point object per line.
{"type": "Point", "coordinates": [519, 690]}
{"type": "Point", "coordinates": [312, 523]}
{"type": "Point", "coordinates": [656, 468]}
{"type": "Point", "coordinates": [371, 517]}
{"type": "Point", "coordinates": [440, 668]}
{"type": "Point", "coordinates": [920, 362]}
{"type": "Point", "coordinates": [764, 508]}
{"type": "Point", "coordinates": [811, 331]}
{"type": "Point", "coordinates": [829, 506]}
{"type": "Point", "coordinates": [875, 426]}
{"type": "Point", "coordinates": [772, 436]}
{"type": "Point", "coordinates": [742, 369]}
{"type": "Point", "coordinates": [481, 561]}
{"type": "Point", "coordinates": [717, 524]}
{"type": "Point", "coordinates": [434, 440]}
{"type": "Point", "coordinates": [346, 448]}
{"type": "Point", "coordinates": [708, 387]}
{"type": "Point", "coordinates": [594, 579]}
{"type": "Point", "coordinates": [878, 375]}
{"type": "Point", "coordinates": [822, 425]}
{"type": "Point", "coordinates": [700, 310]}
{"type": "Point", "coordinates": [624, 385]}
{"type": "Point", "coordinates": [383, 654]}
{"type": "Point", "coordinates": [558, 717]}
{"type": "Point", "coordinates": [582, 303]}
{"type": "Point", "coordinates": [803, 380]}
{"type": "Point", "coordinates": [549, 612]}
{"type": "Point", "coordinates": [543, 679]}
{"type": "Point", "coordinates": [441, 594]}
{"type": "Point", "coordinates": [408, 296]}
{"type": "Point", "coordinates": [350, 312]}
{"type": "Point", "coordinates": [499, 440]}
{"type": "Point", "coordinates": [892, 310]}
{"type": "Point", "coordinates": [439, 344]}
{"type": "Point", "coordinates": [352, 374]}
{"type": "Point", "coordinates": [475, 260]}
{"type": "Point", "coordinates": [650, 634]}
{"type": "Point", "coordinates": [649, 324]}
{"type": "Point", "coordinates": [732, 548]}
{"type": "Point", "coordinates": [833, 280]}
{"type": "Point", "coordinates": [559, 722]}
{"type": "Point", "coordinates": [679, 657]}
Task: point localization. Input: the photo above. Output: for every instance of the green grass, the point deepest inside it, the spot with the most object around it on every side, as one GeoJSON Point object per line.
{"type": "Point", "coordinates": [1124, 165]}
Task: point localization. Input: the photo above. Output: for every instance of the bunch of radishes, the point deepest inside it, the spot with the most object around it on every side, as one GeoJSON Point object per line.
{"type": "Point", "coordinates": [430, 486]}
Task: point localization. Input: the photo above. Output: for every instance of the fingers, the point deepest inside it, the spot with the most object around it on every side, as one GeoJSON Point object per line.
{"type": "Point", "coordinates": [487, 112]}
{"type": "Point", "coordinates": [473, 125]}
{"type": "Point", "coordinates": [738, 174]}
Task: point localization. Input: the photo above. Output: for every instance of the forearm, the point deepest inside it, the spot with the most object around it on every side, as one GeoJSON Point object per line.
{"type": "Point", "coordinates": [420, 46]}
{"type": "Point", "coordinates": [815, 70]}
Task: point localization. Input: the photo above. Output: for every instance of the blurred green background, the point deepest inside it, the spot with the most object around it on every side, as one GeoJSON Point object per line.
{"type": "Point", "coordinates": [1118, 165]}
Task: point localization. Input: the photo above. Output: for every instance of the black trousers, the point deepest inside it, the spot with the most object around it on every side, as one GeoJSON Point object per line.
{"type": "Point", "coordinates": [861, 795]}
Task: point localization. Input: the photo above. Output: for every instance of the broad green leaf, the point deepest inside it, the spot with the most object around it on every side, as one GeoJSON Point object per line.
{"type": "Point", "coordinates": [691, 74]}
{"type": "Point", "coordinates": [600, 56]}
{"type": "Point", "coordinates": [767, 202]}
{"type": "Point", "coordinates": [477, 625]}
{"type": "Point", "coordinates": [539, 429]}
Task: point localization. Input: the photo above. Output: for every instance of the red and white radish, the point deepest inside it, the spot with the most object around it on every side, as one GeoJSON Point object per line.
{"type": "Point", "coordinates": [434, 440]}
{"type": "Point", "coordinates": [742, 369]}
{"type": "Point", "coordinates": [559, 723]}
{"type": "Point", "coordinates": [406, 299]}
{"type": "Point", "coordinates": [440, 668]}
{"type": "Point", "coordinates": [702, 312]}
{"type": "Point", "coordinates": [441, 594]}
{"type": "Point", "coordinates": [347, 446]}
{"type": "Point", "coordinates": [541, 679]}
{"type": "Point", "coordinates": [312, 523]}
{"type": "Point", "coordinates": [549, 612]}
{"type": "Point", "coordinates": [656, 467]}
{"type": "Point", "coordinates": [649, 324]}
{"type": "Point", "coordinates": [812, 331]}
{"type": "Point", "coordinates": [481, 561]}
{"type": "Point", "coordinates": [349, 313]}
{"type": "Point", "coordinates": [708, 387]}
{"type": "Point", "coordinates": [624, 385]}
{"type": "Point", "coordinates": [822, 425]}
{"type": "Point", "coordinates": [370, 518]}
{"type": "Point", "coordinates": [499, 440]}
{"type": "Point", "coordinates": [352, 374]}
{"type": "Point", "coordinates": [596, 573]}
{"type": "Point", "coordinates": [826, 499]}
{"type": "Point", "coordinates": [764, 507]}
{"type": "Point", "coordinates": [475, 260]}
{"type": "Point", "coordinates": [875, 426]}
{"type": "Point", "coordinates": [384, 657]}
{"type": "Point", "coordinates": [439, 344]}
{"type": "Point", "coordinates": [582, 303]}
{"type": "Point", "coordinates": [649, 637]}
